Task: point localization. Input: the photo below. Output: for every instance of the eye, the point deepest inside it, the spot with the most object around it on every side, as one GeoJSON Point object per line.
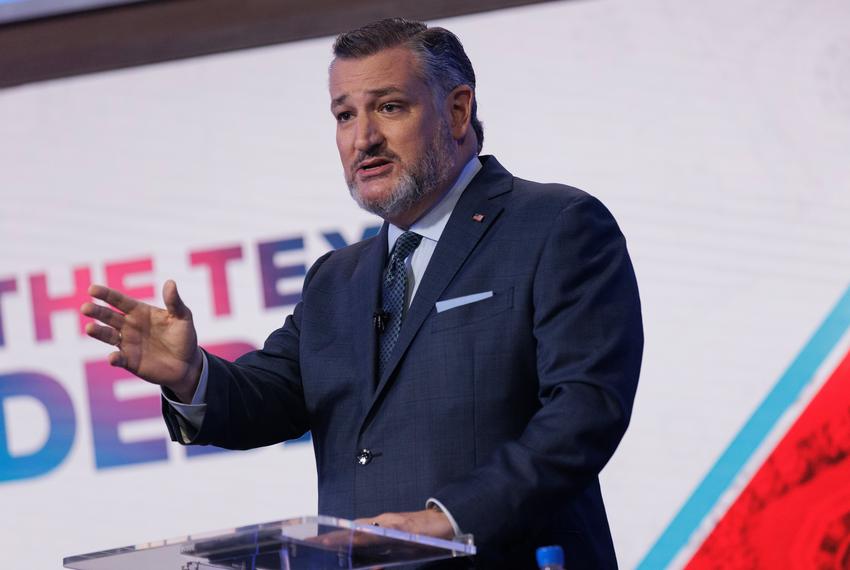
{"type": "Point", "coordinates": [343, 116]}
{"type": "Point", "coordinates": [390, 107]}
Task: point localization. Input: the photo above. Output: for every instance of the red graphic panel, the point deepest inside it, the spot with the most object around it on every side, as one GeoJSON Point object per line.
{"type": "Point", "coordinates": [795, 512]}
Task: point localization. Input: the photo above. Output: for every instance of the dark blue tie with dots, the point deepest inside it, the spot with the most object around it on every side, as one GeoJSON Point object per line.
{"type": "Point", "coordinates": [394, 296]}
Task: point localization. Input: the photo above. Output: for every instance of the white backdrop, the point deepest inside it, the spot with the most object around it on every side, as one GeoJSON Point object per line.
{"type": "Point", "coordinates": [717, 133]}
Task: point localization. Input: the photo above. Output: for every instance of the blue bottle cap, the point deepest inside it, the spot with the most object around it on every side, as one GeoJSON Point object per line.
{"type": "Point", "coordinates": [551, 555]}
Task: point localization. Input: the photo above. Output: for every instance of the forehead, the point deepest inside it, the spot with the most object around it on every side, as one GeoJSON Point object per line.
{"type": "Point", "coordinates": [393, 67]}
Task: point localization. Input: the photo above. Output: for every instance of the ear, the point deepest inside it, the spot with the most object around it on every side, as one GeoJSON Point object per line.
{"type": "Point", "coordinates": [459, 107]}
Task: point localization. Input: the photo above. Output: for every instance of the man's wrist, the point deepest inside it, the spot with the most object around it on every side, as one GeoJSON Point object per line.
{"type": "Point", "coordinates": [435, 505]}
{"type": "Point", "coordinates": [185, 391]}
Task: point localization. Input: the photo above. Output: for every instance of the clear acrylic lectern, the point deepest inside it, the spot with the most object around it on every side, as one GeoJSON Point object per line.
{"type": "Point", "coordinates": [308, 543]}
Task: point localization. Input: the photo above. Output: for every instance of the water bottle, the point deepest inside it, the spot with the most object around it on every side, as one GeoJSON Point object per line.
{"type": "Point", "coordinates": [550, 558]}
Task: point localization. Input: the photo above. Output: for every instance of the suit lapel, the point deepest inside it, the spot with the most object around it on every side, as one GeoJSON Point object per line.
{"type": "Point", "coordinates": [366, 299]}
{"type": "Point", "coordinates": [472, 216]}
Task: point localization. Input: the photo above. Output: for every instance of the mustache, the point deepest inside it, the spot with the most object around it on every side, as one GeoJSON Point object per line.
{"type": "Point", "coordinates": [384, 153]}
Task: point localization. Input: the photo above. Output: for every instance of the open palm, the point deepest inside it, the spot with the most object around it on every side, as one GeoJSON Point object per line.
{"type": "Point", "coordinates": [157, 345]}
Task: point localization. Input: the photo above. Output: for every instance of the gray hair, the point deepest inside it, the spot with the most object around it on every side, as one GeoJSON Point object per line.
{"type": "Point", "coordinates": [444, 63]}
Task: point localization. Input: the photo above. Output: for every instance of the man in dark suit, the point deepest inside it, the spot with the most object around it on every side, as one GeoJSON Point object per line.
{"type": "Point", "coordinates": [470, 369]}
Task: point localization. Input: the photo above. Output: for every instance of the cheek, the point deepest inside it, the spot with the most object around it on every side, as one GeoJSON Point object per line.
{"type": "Point", "coordinates": [412, 152]}
{"type": "Point", "coordinates": [407, 145]}
{"type": "Point", "coordinates": [410, 140]}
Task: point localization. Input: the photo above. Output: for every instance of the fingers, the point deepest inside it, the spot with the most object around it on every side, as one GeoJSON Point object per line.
{"type": "Point", "coordinates": [428, 522]}
{"type": "Point", "coordinates": [173, 302]}
{"type": "Point", "coordinates": [103, 314]}
{"type": "Point", "coordinates": [372, 521]}
{"type": "Point", "coordinates": [117, 359]}
{"type": "Point", "coordinates": [108, 335]}
{"type": "Point", "coordinates": [389, 520]}
{"type": "Point", "coordinates": [118, 300]}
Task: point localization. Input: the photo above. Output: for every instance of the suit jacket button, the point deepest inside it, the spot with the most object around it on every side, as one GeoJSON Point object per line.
{"type": "Point", "coordinates": [363, 457]}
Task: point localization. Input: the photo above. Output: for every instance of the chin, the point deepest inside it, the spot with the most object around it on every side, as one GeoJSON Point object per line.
{"type": "Point", "coordinates": [371, 201]}
{"type": "Point", "coordinates": [387, 198]}
{"type": "Point", "coordinates": [378, 189]}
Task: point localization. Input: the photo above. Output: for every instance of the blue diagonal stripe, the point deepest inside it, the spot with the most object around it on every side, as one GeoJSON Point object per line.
{"type": "Point", "coordinates": [723, 473]}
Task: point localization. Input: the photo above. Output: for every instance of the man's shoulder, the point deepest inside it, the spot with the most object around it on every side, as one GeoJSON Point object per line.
{"type": "Point", "coordinates": [547, 195]}
{"type": "Point", "coordinates": [538, 207]}
{"type": "Point", "coordinates": [543, 204]}
{"type": "Point", "coordinates": [528, 194]}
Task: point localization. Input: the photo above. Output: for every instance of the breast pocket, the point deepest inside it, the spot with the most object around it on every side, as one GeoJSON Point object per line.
{"type": "Point", "coordinates": [474, 312]}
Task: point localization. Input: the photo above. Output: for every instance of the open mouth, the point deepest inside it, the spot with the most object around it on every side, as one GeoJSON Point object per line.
{"type": "Point", "coordinates": [374, 166]}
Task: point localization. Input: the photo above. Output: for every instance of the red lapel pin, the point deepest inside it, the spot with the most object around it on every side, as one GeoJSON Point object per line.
{"type": "Point", "coordinates": [478, 217]}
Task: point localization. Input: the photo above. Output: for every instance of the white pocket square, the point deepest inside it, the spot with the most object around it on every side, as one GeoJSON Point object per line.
{"type": "Point", "coordinates": [459, 301]}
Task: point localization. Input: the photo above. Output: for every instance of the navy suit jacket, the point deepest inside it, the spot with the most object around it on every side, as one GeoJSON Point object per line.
{"type": "Point", "coordinates": [505, 409]}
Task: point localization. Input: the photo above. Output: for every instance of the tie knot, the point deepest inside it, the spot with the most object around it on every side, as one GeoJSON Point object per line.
{"type": "Point", "coordinates": [404, 246]}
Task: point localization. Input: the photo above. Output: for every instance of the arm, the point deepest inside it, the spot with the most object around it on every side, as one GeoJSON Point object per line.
{"type": "Point", "coordinates": [243, 399]}
{"type": "Point", "coordinates": [257, 400]}
{"type": "Point", "coordinates": [587, 326]}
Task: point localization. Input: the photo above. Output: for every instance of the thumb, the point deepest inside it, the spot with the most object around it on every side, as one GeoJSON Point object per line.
{"type": "Point", "coordinates": [173, 302]}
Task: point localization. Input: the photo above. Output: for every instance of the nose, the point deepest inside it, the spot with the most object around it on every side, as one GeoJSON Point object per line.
{"type": "Point", "coordinates": [368, 135]}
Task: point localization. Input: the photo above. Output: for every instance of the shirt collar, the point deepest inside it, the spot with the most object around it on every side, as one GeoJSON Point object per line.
{"type": "Point", "coordinates": [431, 225]}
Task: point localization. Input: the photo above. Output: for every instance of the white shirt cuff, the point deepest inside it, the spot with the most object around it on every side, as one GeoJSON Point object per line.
{"type": "Point", "coordinates": [191, 416]}
{"type": "Point", "coordinates": [434, 502]}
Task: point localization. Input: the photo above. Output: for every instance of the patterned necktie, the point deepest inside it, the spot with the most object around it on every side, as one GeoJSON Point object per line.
{"type": "Point", "coordinates": [394, 296]}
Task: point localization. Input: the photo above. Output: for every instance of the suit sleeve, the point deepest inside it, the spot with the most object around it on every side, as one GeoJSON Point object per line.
{"type": "Point", "coordinates": [589, 341]}
{"type": "Point", "coordinates": [257, 400]}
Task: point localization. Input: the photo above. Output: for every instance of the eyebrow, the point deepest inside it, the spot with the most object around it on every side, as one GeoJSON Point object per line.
{"type": "Point", "coordinates": [373, 92]}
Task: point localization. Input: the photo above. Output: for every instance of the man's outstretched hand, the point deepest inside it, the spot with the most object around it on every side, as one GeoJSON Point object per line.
{"type": "Point", "coordinates": [157, 345]}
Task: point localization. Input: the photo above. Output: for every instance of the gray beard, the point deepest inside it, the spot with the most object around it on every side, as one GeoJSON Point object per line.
{"type": "Point", "coordinates": [415, 183]}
